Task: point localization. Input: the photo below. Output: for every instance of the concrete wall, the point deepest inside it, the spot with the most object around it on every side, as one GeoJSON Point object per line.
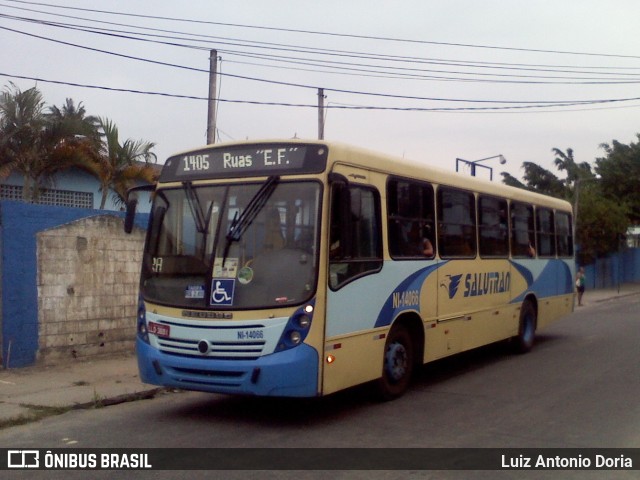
{"type": "Point", "coordinates": [40, 243]}
{"type": "Point", "coordinates": [88, 274]}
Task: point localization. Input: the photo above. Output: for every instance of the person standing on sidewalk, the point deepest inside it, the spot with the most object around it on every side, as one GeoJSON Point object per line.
{"type": "Point", "coordinates": [581, 279]}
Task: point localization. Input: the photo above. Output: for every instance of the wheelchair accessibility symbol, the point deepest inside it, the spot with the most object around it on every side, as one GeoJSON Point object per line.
{"type": "Point", "coordinates": [222, 291]}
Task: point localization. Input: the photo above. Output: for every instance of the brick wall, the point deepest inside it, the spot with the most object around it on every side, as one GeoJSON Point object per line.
{"type": "Point", "coordinates": [88, 274]}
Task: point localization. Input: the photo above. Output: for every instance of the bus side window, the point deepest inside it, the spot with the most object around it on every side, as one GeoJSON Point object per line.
{"type": "Point", "coordinates": [456, 223]}
{"type": "Point", "coordinates": [546, 232]}
{"type": "Point", "coordinates": [493, 226]}
{"type": "Point", "coordinates": [523, 234]}
{"type": "Point", "coordinates": [410, 208]}
{"type": "Point", "coordinates": [355, 247]}
{"type": "Point", "coordinates": [565, 234]}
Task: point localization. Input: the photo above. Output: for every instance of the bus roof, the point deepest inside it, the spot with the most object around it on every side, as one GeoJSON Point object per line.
{"type": "Point", "coordinates": [342, 153]}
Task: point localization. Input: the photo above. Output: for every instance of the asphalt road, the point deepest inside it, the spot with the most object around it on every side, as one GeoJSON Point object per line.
{"type": "Point", "coordinates": [578, 388]}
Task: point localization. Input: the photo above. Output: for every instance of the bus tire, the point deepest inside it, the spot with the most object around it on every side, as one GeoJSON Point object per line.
{"type": "Point", "coordinates": [523, 342]}
{"type": "Point", "coordinates": [397, 364]}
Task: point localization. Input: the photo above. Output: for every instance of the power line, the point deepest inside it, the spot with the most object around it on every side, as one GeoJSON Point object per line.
{"type": "Point", "coordinates": [330, 106]}
{"type": "Point", "coordinates": [98, 50]}
{"type": "Point", "coordinates": [341, 66]}
{"type": "Point", "coordinates": [327, 52]}
{"type": "Point", "coordinates": [347, 68]}
{"type": "Point", "coordinates": [332, 34]}
{"type": "Point", "coordinates": [281, 83]}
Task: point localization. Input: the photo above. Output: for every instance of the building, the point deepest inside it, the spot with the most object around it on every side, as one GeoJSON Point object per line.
{"type": "Point", "coordinates": [70, 188]}
{"type": "Point", "coordinates": [633, 237]}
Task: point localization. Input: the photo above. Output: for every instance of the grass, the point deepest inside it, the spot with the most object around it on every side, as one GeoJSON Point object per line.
{"type": "Point", "coordinates": [35, 413]}
{"type": "Point", "coordinates": [39, 412]}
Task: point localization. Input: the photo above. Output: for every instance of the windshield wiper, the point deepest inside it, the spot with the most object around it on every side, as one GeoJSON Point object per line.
{"type": "Point", "coordinates": [196, 208]}
{"type": "Point", "coordinates": [241, 222]}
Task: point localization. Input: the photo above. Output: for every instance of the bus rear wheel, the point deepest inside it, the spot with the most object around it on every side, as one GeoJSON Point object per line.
{"type": "Point", "coordinates": [523, 342]}
{"type": "Point", "coordinates": [397, 364]}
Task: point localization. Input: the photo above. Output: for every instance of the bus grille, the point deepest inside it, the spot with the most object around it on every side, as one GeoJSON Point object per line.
{"type": "Point", "coordinates": [242, 350]}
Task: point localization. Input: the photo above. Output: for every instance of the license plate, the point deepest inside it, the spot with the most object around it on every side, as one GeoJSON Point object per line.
{"type": "Point", "coordinates": [159, 329]}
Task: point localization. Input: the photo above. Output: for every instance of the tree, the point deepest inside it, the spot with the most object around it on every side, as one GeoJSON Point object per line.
{"type": "Point", "coordinates": [601, 222]}
{"type": "Point", "coordinates": [118, 166]}
{"type": "Point", "coordinates": [598, 219]}
{"type": "Point", "coordinates": [538, 180]}
{"type": "Point", "coordinates": [37, 143]}
{"type": "Point", "coordinates": [76, 135]}
{"type": "Point", "coordinates": [575, 172]}
{"type": "Point", "coordinates": [24, 140]}
{"type": "Point", "coordinates": [620, 171]}
{"type": "Point", "coordinates": [71, 122]}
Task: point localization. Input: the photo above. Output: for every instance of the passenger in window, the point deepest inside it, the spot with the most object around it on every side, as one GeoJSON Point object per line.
{"type": "Point", "coordinates": [427, 250]}
{"type": "Point", "coordinates": [531, 251]}
{"type": "Point", "coordinates": [419, 243]}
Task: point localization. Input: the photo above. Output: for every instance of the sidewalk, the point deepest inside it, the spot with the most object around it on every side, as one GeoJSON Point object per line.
{"type": "Point", "coordinates": [30, 393]}
{"type": "Point", "coordinates": [592, 297]}
{"type": "Point", "coordinates": [27, 394]}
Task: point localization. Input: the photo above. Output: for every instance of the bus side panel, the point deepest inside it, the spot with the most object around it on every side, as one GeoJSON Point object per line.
{"type": "Point", "coordinates": [551, 282]}
{"type": "Point", "coordinates": [360, 314]}
{"type": "Point", "coordinates": [473, 303]}
{"type": "Point", "coordinates": [350, 334]}
{"type": "Point", "coordinates": [560, 304]}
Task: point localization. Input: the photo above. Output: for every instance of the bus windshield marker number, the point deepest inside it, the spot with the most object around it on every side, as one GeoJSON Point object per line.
{"type": "Point", "coordinates": [195, 163]}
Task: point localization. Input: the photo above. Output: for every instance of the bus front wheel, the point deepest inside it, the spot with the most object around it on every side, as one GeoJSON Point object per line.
{"type": "Point", "coordinates": [397, 364]}
{"type": "Point", "coordinates": [527, 328]}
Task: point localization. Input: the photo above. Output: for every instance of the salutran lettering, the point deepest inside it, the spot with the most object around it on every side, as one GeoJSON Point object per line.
{"type": "Point", "coordinates": [486, 283]}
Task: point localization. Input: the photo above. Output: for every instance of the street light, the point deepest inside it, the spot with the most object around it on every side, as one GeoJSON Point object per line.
{"type": "Point", "coordinates": [476, 163]}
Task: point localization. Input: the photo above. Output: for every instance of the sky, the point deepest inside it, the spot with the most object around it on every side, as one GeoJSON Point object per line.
{"type": "Point", "coordinates": [440, 80]}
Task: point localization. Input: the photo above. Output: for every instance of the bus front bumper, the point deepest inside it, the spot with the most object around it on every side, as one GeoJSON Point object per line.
{"type": "Point", "coordinates": [291, 373]}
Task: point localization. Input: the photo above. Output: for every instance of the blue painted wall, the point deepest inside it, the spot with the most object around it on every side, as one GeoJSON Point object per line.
{"type": "Point", "coordinates": [19, 224]}
{"type": "Point", "coordinates": [611, 271]}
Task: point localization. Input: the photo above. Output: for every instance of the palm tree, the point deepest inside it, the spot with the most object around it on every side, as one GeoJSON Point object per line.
{"type": "Point", "coordinates": [575, 171]}
{"type": "Point", "coordinates": [76, 135]}
{"type": "Point", "coordinates": [118, 166]}
{"type": "Point", "coordinates": [38, 144]}
{"type": "Point", "coordinates": [71, 121]}
{"type": "Point", "coordinates": [24, 140]}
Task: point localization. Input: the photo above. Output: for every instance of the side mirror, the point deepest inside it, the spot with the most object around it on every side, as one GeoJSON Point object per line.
{"type": "Point", "coordinates": [132, 203]}
{"type": "Point", "coordinates": [130, 215]}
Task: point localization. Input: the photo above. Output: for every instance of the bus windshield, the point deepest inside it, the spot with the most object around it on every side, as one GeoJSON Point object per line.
{"type": "Point", "coordinates": [233, 246]}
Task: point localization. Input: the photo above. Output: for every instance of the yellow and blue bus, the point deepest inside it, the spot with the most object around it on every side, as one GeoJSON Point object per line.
{"type": "Point", "coordinates": [301, 268]}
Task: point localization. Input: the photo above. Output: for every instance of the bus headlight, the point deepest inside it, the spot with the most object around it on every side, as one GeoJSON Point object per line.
{"type": "Point", "coordinates": [297, 328]}
{"type": "Point", "coordinates": [295, 338]}
{"type": "Point", "coordinates": [304, 321]}
{"type": "Point", "coordinates": [143, 334]}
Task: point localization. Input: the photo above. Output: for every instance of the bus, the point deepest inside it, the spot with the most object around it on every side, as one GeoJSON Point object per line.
{"type": "Point", "coordinates": [301, 268]}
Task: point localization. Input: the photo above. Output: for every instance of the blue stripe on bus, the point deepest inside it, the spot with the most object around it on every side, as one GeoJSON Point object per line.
{"type": "Point", "coordinates": [555, 279]}
{"type": "Point", "coordinates": [413, 282]}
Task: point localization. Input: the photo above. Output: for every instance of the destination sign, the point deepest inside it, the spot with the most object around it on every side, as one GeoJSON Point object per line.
{"type": "Point", "coordinates": [245, 161]}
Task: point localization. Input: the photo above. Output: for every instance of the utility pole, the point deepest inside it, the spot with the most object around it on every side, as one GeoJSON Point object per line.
{"type": "Point", "coordinates": [211, 115]}
{"type": "Point", "coordinates": [321, 114]}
